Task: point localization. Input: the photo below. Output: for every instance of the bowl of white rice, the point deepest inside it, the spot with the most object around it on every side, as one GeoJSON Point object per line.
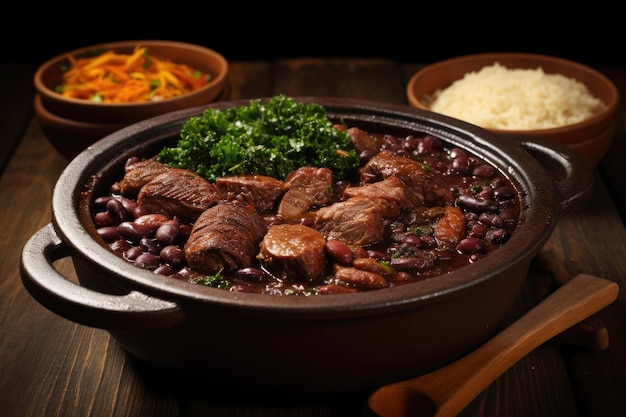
{"type": "Point", "coordinates": [523, 94]}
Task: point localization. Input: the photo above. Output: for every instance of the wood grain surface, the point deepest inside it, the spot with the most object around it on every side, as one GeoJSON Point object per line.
{"type": "Point", "coordinates": [50, 366]}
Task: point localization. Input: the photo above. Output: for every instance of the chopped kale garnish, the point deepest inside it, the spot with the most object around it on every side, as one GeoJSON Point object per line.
{"type": "Point", "coordinates": [273, 138]}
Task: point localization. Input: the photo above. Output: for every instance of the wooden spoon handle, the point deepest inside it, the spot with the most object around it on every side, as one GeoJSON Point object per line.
{"type": "Point", "coordinates": [454, 386]}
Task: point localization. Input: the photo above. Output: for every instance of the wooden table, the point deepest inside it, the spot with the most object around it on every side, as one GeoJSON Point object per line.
{"type": "Point", "coordinates": [50, 366]}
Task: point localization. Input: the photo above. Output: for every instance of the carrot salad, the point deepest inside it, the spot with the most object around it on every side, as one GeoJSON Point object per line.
{"type": "Point", "coordinates": [128, 78]}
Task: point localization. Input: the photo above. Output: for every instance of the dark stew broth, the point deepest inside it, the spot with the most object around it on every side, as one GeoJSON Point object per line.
{"type": "Point", "coordinates": [418, 209]}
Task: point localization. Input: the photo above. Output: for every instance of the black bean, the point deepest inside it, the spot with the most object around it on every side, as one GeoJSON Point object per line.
{"type": "Point", "coordinates": [339, 251]}
{"type": "Point", "coordinates": [411, 239]}
{"type": "Point", "coordinates": [456, 152]}
{"type": "Point", "coordinates": [133, 252]}
{"type": "Point", "coordinates": [478, 230]}
{"type": "Point", "coordinates": [372, 265]}
{"type": "Point", "coordinates": [117, 211]}
{"type": "Point", "coordinates": [129, 205]}
{"type": "Point", "coordinates": [148, 261]}
{"type": "Point", "coordinates": [471, 245]}
{"type": "Point", "coordinates": [410, 143]}
{"type": "Point", "coordinates": [120, 246]}
{"type": "Point", "coordinates": [503, 193]}
{"type": "Point", "coordinates": [140, 211]}
{"type": "Point", "coordinates": [497, 235]}
{"type": "Point", "coordinates": [109, 233]}
{"type": "Point", "coordinates": [253, 274]}
{"type": "Point", "coordinates": [429, 145]}
{"type": "Point", "coordinates": [163, 269]}
{"type": "Point", "coordinates": [152, 221]}
{"type": "Point", "coordinates": [461, 164]}
{"type": "Point", "coordinates": [390, 141]}
{"type": "Point", "coordinates": [185, 231]}
{"type": "Point", "coordinates": [100, 203]}
{"type": "Point", "coordinates": [173, 255]}
{"type": "Point", "coordinates": [475, 204]}
{"type": "Point", "coordinates": [491, 219]}
{"type": "Point", "coordinates": [103, 218]}
{"type": "Point", "coordinates": [410, 263]}
{"type": "Point", "coordinates": [483, 171]}
{"type": "Point", "coordinates": [132, 231]}
{"type": "Point", "coordinates": [366, 154]}
{"type": "Point", "coordinates": [167, 233]}
{"type": "Point", "coordinates": [147, 245]}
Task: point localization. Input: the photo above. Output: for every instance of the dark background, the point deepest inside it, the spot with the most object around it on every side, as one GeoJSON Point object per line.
{"type": "Point", "coordinates": [591, 34]}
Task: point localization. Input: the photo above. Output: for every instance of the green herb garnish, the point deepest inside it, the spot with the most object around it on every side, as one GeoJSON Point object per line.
{"type": "Point", "coordinates": [216, 281]}
{"type": "Point", "coordinates": [273, 138]}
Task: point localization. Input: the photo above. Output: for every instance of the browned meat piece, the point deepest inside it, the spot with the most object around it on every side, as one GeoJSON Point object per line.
{"type": "Point", "coordinates": [363, 141]}
{"type": "Point", "coordinates": [138, 174]}
{"type": "Point", "coordinates": [356, 221]}
{"type": "Point", "coordinates": [391, 193]}
{"type": "Point", "coordinates": [428, 183]}
{"type": "Point", "coordinates": [178, 193]}
{"type": "Point", "coordinates": [306, 187]}
{"type": "Point", "coordinates": [294, 251]}
{"type": "Point", "coordinates": [224, 238]}
{"type": "Point", "coordinates": [451, 227]}
{"type": "Point", "coordinates": [260, 191]}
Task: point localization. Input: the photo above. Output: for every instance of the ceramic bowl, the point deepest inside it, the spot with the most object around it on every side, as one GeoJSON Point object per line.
{"type": "Point", "coordinates": [587, 136]}
{"type": "Point", "coordinates": [73, 124]}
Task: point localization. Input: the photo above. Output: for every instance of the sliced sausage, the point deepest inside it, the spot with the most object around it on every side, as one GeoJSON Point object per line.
{"type": "Point", "coordinates": [224, 238]}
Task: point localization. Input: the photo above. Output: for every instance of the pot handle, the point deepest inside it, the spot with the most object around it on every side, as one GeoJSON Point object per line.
{"type": "Point", "coordinates": [131, 311]}
{"type": "Point", "coordinates": [574, 177]}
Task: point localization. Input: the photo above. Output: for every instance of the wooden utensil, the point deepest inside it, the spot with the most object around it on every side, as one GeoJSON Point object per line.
{"type": "Point", "coordinates": [446, 391]}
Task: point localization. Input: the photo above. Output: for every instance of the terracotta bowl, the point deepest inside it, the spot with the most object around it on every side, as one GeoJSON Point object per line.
{"type": "Point", "coordinates": [73, 124]}
{"type": "Point", "coordinates": [290, 346]}
{"type": "Point", "coordinates": [70, 137]}
{"type": "Point", "coordinates": [594, 132]}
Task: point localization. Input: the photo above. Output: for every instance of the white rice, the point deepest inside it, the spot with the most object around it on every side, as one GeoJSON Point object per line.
{"type": "Point", "coordinates": [516, 99]}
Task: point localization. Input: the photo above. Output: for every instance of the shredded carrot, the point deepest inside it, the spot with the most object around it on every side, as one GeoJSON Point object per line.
{"type": "Point", "coordinates": [122, 78]}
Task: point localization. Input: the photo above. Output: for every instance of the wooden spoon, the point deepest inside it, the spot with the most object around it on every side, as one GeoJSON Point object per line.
{"type": "Point", "coordinates": [446, 391]}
